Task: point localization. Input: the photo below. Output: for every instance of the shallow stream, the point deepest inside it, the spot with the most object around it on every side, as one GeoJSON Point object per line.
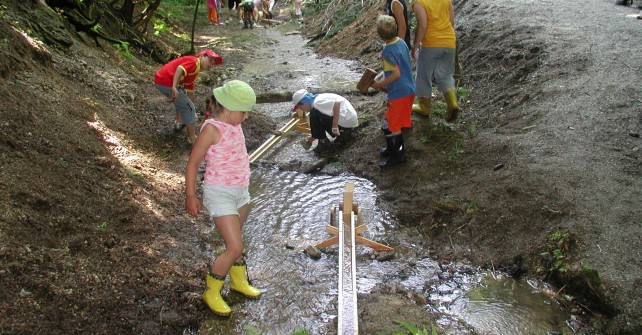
{"type": "Point", "coordinates": [291, 211]}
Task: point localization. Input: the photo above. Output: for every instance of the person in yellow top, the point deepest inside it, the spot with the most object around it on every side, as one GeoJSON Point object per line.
{"type": "Point", "coordinates": [434, 53]}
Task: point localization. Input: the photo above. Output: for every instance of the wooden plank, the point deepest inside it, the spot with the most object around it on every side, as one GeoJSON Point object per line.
{"type": "Point", "coordinates": [331, 241]}
{"type": "Point", "coordinates": [348, 194]}
{"type": "Point", "coordinates": [353, 274]}
{"type": "Point", "coordinates": [355, 206]}
{"type": "Point", "coordinates": [267, 145]}
{"type": "Point", "coordinates": [340, 303]}
{"type": "Point", "coordinates": [271, 21]}
{"type": "Point", "coordinates": [372, 244]}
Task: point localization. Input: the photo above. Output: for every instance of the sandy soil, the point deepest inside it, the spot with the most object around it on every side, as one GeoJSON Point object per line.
{"type": "Point", "coordinates": [93, 237]}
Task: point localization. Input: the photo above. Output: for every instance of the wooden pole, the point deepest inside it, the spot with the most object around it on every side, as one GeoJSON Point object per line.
{"type": "Point", "coordinates": [267, 145]}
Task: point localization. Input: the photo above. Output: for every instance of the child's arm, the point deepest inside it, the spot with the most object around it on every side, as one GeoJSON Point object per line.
{"type": "Point", "coordinates": [335, 118]}
{"type": "Point", "coordinates": [420, 32]}
{"type": "Point", "coordinates": [397, 12]}
{"type": "Point", "coordinates": [177, 79]}
{"type": "Point", "coordinates": [210, 135]}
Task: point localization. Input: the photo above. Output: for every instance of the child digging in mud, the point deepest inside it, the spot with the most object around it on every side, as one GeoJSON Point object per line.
{"type": "Point", "coordinates": [225, 189]}
{"type": "Point", "coordinates": [400, 85]}
{"type": "Point", "coordinates": [176, 80]}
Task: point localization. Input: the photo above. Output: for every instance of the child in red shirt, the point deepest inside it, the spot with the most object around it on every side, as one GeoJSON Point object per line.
{"type": "Point", "coordinates": [176, 81]}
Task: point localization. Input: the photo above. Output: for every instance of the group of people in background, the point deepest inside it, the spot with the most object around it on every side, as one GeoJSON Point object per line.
{"type": "Point", "coordinates": [248, 11]}
{"type": "Point", "coordinates": [433, 50]}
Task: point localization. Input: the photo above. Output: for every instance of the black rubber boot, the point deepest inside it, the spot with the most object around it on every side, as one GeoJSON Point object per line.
{"type": "Point", "coordinates": [244, 24]}
{"type": "Point", "coordinates": [397, 156]}
{"type": "Point", "coordinates": [385, 152]}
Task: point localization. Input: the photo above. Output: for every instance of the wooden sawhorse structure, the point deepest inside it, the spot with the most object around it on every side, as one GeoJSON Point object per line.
{"type": "Point", "coordinates": [348, 207]}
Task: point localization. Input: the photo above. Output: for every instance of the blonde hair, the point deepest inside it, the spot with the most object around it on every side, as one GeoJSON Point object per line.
{"type": "Point", "coordinates": [386, 27]}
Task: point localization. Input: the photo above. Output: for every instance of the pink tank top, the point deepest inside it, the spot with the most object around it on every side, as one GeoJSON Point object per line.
{"type": "Point", "coordinates": [227, 162]}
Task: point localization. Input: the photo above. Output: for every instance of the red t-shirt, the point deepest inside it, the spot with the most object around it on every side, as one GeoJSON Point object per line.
{"type": "Point", "coordinates": [190, 67]}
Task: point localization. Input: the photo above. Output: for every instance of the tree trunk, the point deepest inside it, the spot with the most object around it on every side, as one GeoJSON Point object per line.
{"type": "Point", "coordinates": [127, 11]}
{"type": "Point", "coordinates": [143, 19]}
{"type": "Point", "coordinates": [192, 49]}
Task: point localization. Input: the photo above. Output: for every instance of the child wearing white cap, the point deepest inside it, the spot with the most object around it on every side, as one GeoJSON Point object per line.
{"type": "Point", "coordinates": [329, 113]}
{"type": "Point", "coordinates": [225, 188]}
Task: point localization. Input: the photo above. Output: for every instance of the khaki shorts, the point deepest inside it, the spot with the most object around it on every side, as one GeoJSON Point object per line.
{"type": "Point", "coordinates": [183, 103]}
{"type": "Point", "coordinates": [222, 200]}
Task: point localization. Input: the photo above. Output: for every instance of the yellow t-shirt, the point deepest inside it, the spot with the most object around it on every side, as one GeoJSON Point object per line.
{"type": "Point", "coordinates": [440, 32]}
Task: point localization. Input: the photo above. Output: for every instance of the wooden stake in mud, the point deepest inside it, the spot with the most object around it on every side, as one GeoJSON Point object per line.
{"type": "Point", "coordinates": [352, 207]}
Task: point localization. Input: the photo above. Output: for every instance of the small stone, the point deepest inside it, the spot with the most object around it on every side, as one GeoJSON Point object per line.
{"type": "Point", "coordinates": [385, 256]}
{"type": "Point", "coordinates": [313, 252]}
{"type": "Point", "coordinates": [420, 299]}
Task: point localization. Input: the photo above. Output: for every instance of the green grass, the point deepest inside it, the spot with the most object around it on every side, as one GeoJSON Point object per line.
{"type": "Point", "coordinates": [557, 247]}
{"type": "Point", "coordinates": [411, 329]}
{"type": "Point", "coordinates": [134, 174]}
{"type": "Point", "coordinates": [103, 225]}
{"type": "Point", "coordinates": [463, 94]}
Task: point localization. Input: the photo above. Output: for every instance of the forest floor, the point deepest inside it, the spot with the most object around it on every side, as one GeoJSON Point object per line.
{"type": "Point", "coordinates": [541, 175]}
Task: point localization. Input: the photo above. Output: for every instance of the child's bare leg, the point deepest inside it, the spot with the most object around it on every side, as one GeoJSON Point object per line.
{"type": "Point", "coordinates": [243, 211]}
{"type": "Point", "coordinates": [229, 227]}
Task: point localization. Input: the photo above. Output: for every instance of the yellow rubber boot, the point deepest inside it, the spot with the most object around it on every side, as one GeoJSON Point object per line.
{"type": "Point", "coordinates": [423, 107]}
{"type": "Point", "coordinates": [451, 105]}
{"type": "Point", "coordinates": [213, 298]}
{"type": "Point", "coordinates": [239, 283]}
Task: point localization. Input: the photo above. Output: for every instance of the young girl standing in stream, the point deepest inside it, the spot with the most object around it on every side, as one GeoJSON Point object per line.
{"type": "Point", "coordinates": [225, 188]}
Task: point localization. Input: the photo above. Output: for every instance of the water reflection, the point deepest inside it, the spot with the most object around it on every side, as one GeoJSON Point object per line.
{"type": "Point", "coordinates": [293, 208]}
{"type": "Point", "coordinates": [496, 304]}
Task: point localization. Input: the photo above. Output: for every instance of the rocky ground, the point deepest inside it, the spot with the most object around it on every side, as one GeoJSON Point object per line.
{"type": "Point", "coordinates": [540, 176]}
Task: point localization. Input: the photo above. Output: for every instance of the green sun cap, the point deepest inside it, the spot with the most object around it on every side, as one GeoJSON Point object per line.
{"type": "Point", "coordinates": [235, 95]}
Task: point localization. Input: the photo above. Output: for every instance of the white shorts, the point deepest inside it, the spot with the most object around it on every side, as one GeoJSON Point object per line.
{"type": "Point", "coordinates": [222, 200]}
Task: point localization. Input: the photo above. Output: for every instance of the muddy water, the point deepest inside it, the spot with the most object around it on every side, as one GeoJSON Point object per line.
{"type": "Point", "coordinates": [290, 211]}
{"type": "Point", "coordinates": [286, 65]}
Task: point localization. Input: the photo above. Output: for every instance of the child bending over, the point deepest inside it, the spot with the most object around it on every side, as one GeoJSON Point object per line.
{"type": "Point", "coordinates": [247, 6]}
